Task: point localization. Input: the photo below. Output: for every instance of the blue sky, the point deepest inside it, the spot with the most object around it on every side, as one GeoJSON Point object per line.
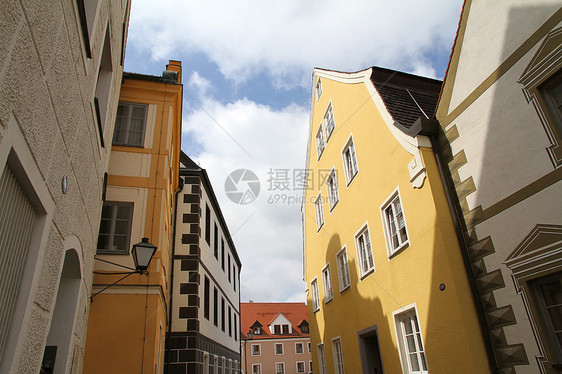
{"type": "Point", "coordinates": [247, 69]}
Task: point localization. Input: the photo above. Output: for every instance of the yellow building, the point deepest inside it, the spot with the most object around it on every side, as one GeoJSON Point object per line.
{"type": "Point", "coordinates": [127, 322]}
{"type": "Point", "coordinates": [387, 285]}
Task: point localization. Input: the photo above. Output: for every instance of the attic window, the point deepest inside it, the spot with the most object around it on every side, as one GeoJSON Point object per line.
{"type": "Point", "coordinates": [257, 330]}
{"type": "Point", "coordinates": [304, 327]}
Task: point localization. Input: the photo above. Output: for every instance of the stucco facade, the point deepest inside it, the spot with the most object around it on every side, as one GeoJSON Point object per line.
{"type": "Point", "coordinates": [382, 259]}
{"type": "Point", "coordinates": [502, 142]}
{"type": "Point", "coordinates": [59, 87]}
{"type": "Point", "coordinates": [204, 335]}
{"type": "Point", "coordinates": [128, 322]}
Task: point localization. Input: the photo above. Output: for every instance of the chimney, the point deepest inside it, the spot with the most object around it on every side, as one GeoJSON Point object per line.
{"type": "Point", "coordinates": [175, 66]}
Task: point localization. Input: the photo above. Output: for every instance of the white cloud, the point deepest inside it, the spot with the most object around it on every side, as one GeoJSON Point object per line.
{"type": "Point", "coordinates": [267, 235]}
{"type": "Point", "coordinates": [199, 84]}
{"type": "Point", "coordinates": [286, 39]}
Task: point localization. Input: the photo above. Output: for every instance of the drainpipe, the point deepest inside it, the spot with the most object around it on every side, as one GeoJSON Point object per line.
{"type": "Point", "coordinates": [430, 128]}
{"type": "Point", "coordinates": [171, 287]}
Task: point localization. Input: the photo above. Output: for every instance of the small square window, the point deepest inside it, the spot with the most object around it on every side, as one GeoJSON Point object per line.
{"type": "Point", "coordinates": [364, 252]}
{"type": "Point", "coordinates": [257, 330]}
{"type": "Point", "coordinates": [300, 367]}
{"type": "Point", "coordinates": [277, 329]}
{"type": "Point", "coordinates": [285, 329]}
{"type": "Point", "coordinates": [349, 161]}
{"type": "Point", "coordinates": [256, 369]}
{"type": "Point", "coordinates": [256, 349]}
{"type": "Point", "coordinates": [299, 348]}
{"type": "Point", "coordinates": [279, 348]}
{"type": "Point", "coordinates": [130, 124]}
{"type": "Point", "coordinates": [115, 228]}
{"type": "Point", "coordinates": [280, 368]}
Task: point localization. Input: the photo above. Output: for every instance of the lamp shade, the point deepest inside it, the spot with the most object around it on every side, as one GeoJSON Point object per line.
{"type": "Point", "coordinates": [250, 335]}
{"type": "Point", "coordinates": [142, 254]}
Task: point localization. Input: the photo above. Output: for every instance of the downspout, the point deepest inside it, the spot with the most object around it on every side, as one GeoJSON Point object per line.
{"type": "Point", "coordinates": [429, 128]}
{"type": "Point", "coordinates": [171, 287]}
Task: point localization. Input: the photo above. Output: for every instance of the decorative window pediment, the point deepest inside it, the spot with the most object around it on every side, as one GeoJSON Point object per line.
{"type": "Point", "coordinates": [539, 80]}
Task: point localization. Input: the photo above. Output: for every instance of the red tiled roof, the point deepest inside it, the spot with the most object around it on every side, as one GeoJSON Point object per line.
{"type": "Point", "coordinates": [265, 313]}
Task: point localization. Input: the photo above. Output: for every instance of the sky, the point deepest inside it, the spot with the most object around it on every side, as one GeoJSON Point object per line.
{"type": "Point", "coordinates": [247, 77]}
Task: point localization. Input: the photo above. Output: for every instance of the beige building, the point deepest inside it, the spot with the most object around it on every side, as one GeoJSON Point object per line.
{"type": "Point", "coordinates": [275, 338]}
{"type": "Point", "coordinates": [500, 112]}
{"type": "Point", "coordinates": [61, 69]}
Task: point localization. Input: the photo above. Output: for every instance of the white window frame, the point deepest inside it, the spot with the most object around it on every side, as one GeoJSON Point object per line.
{"type": "Point", "coordinates": [327, 283]}
{"type": "Point", "coordinates": [259, 350]}
{"type": "Point", "coordinates": [321, 358]}
{"type": "Point", "coordinates": [112, 222]}
{"type": "Point", "coordinates": [338, 358]}
{"type": "Point", "coordinates": [390, 225]}
{"type": "Point", "coordinates": [275, 348]}
{"type": "Point", "coordinates": [258, 366]}
{"type": "Point", "coordinates": [282, 365]}
{"type": "Point", "coordinates": [364, 257]}
{"type": "Point", "coordinates": [319, 212]}
{"type": "Point", "coordinates": [332, 188]}
{"type": "Point", "coordinates": [126, 124]}
{"type": "Point", "coordinates": [351, 167]}
{"type": "Point", "coordinates": [320, 141]}
{"type": "Point", "coordinates": [297, 350]}
{"type": "Point", "coordinates": [342, 261]}
{"type": "Point", "coordinates": [399, 316]}
{"type": "Point", "coordinates": [328, 119]}
{"type": "Point", "coordinates": [318, 89]}
{"type": "Point", "coordinates": [303, 366]}
{"type": "Point", "coordinates": [315, 295]}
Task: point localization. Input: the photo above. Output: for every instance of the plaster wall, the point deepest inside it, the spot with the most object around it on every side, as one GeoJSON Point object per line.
{"type": "Point", "coordinates": [46, 95]}
{"type": "Point", "coordinates": [268, 358]}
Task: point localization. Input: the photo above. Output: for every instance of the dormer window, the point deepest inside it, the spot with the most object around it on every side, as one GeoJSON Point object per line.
{"type": "Point", "coordinates": [304, 327]}
{"type": "Point", "coordinates": [257, 330]}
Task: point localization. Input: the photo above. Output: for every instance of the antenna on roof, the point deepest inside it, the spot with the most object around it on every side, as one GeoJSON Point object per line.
{"type": "Point", "coordinates": [419, 107]}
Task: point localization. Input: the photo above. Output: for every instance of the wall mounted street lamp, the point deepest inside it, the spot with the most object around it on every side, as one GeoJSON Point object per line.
{"type": "Point", "coordinates": [142, 255]}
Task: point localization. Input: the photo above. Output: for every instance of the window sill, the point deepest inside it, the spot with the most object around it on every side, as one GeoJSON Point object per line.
{"type": "Point", "coordinates": [345, 289]}
{"type": "Point", "coordinates": [333, 206]}
{"type": "Point", "coordinates": [399, 250]}
{"type": "Point", "coordinates": [327, 301]}
{"type": "Point", "coordinates": [320, 154]}
{"type": "Point", "coordinates": [351, 180]}
{"type": "Point", "coordinates": [106, 252]}
{"type": "Point", "coordinates": [371, 271]}
{"type": "Point", "coordinates": [319, 228]}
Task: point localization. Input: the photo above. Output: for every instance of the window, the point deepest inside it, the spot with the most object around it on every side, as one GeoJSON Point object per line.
{"type": "Point", "coordinates": [130, 124]}
{"type": "Point", "coordinates": [320, 145]}
{"type": "Point", "coordinates": [215, 306]}
{"type": "Point", "coordinates": [256, 349]}
{"type": "Point", "coordinates": [299, 348]}
{"type": "Point", "coordinates": [343, 269]}
{"type": "Point", "coordinates": [222, 254]}
{"type": "Point", "coordinates": [548, 294]}
{"type": "Point", "coordinates": [234, 277]}
{"type": "Point", "coordinates": [115, 227]}
{"type": "Point", "coordinates": [277, 329]}
{"type": "Point", "coordinates": [257, 330]}
{"type": "Point", "coordinates": [315, 296]}
{"type": "Point", "coordinates": [349, 161]}
{"type": "Point", "coordinates": [338, 356]}
{"type": "Point", "coordinates": [321, 359]}
{"type": "Point", "coordinates": [304, 327]}
{"type": "Point", "coordinates": [103, 86]}
{"type": "Point", "coordinates": [235, 326]}
{"type": "Point", "coordinates": [410, 342]}
{"type": "Point", "coordinates": [206, 298]}
{"type": "Point", "coordinates": [256, 369]}
{"type": "Point", "coordinates": [332, 186]}
{"type": "Point", "coordinates": [394, 224]}
{"type": "Point", "coordinates": [318, 89]}
{"type": "Point", "coordinates": [278, 348]}
{"type": "Point", "coordinates": [309, 349]}
{"type": "Point", "coordinates": [364, 252]}
{"type": "Point", "coordinates": [279, 368]}
{"type": "Point", "coordinates": [319, 212]}
{"type": "Point", "coordinates": [329, 121]}
{"type": "Point", "coordinates": [229, 321]}
{"type": "Point", "coordinates": [300, 367]}
{"type": "Point", "coordinates": [552, 91]}
{"type": "Point", "coordinates": [207, 224]}
{"type": "Point", "coordinates": [285, 329]}
{"type": "Point", "coordinates": [328, 294]}
{"type": "Point", "coordinates": [216, 242]}
{"type": "Point", "coordinates": [223, 324]}
{"type": "Point", "coordinates": [229, 273]}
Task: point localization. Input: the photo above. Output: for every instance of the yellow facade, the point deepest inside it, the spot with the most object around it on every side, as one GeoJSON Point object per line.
{"type": "Point", "coordinates": [410, 279]}
{"type": "Point", "coordinates": [127, 323]}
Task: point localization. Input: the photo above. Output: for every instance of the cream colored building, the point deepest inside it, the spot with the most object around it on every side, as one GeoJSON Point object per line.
{"type": "Point", "coordinates": [61, 69]}
{"type": "Point", "coordinates": [500, 111]}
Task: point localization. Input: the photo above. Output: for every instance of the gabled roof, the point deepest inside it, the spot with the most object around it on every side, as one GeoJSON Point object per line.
{"type": "Point", "coordinates": [265, 313]}
{"type": "Point", "coordinates": [407, 97]}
